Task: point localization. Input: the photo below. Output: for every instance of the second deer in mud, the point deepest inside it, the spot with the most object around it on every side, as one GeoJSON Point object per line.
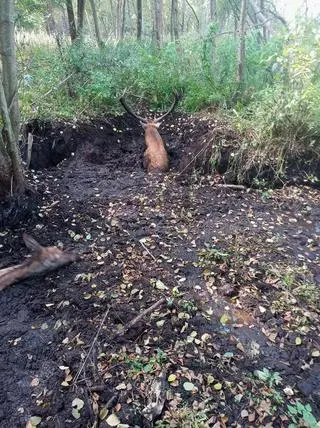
{"type": "Point", "coordinates": [45, 259]}
{"type": "Point", "coordinates": [155, 158]}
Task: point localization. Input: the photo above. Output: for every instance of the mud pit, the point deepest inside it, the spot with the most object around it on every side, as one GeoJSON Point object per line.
{"type": "Point", "coordinates": [240, 269]}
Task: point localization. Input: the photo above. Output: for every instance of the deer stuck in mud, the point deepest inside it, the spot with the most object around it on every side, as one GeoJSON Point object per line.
{"type": "Point", "coordinates": [45, 259]}
{"type": "Point", "coordinates": [155, 157]}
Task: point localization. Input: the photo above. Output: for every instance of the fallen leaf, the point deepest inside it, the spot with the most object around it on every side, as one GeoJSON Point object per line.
{"type": "Point", "coordinates": [113, 420]}
{"type": "Point", "coordinates": [172, 378]}
{"type": "Point", "coordinates": [189, 386]}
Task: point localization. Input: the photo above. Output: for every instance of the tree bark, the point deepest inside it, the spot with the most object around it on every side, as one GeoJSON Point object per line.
{"type": "Point", "coordinates": [174, 20]}
{"type": "Point", "coordinates": [264, 27]}
{"type": "Point", "coordinates": [50, 22]}
{"type": "Point", "coordinates": [9, 152]}
{"type": "Point", "coordinates": [72, 21]}
{"type": "Point", "coordinates": [158, 22]}
{"type": "Point", "coordinates": [96, 24]}
{"type": "Point", "coordinates": [139, 20]}
{"type": "Point", "coordinates": [241, 49]}
{"type": "Point", "coordinates": [9, 63]}
{"type": "Point", "coordinates": [80, 18]}
{"type": "Point", "coordinates": [120, 20]}
{"type": "Point", "coordinates": [213, 11]}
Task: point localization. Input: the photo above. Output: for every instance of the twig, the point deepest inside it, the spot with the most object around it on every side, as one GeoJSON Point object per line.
{"type": "Point", "coordinates": [231, 186]}
{"type": "Point", "coordinates": [59, 84]}
{"type": "Point", "coordinates": [91, 347]}
{"type": "Point", "coordinates": [142, 314]}
{"type": "Point", "coordinates": [150, 254]}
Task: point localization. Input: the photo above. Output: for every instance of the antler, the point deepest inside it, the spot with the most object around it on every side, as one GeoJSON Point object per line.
{"type": "Point", "coordinates": [127, 108]}
{"type": "Point", "coordinates": [175, 101]}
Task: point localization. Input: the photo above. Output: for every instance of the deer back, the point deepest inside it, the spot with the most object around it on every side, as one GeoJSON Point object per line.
{"type": "Point", "coordinates": [155, 155]}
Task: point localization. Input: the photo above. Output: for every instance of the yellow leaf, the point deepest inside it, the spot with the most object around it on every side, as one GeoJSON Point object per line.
{"type": "Point", "coordinates": [217, 386]}
{"type": "Point", "coordinates": [224, 319]}
{"type": "Point", "coordinates": [172, 378]}
{"type": "Point", "coordinates": [298, 340]}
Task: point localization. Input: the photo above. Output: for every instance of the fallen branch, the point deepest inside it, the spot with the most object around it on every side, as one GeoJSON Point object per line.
{"type": "Point", "coordinates": [232, 186]}
{"type": "Point", "coordinates": [142, 314]}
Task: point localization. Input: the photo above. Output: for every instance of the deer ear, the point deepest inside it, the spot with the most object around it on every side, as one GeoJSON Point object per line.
{"type": "Point", "coordinates": [31, 243]}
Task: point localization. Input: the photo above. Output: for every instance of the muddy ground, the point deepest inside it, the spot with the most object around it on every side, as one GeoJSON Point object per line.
{"type": "Point", "coordinates": [235, 342]}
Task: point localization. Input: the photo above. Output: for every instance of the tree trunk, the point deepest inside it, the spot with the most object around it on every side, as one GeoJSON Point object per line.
{"type": "Point", "coordinates": [96, 24]}
{"type": "Point", "coordinates": [183, 16]}
{"type": "Point", "coordinates": [174, 20]}
{"type": "Point", "coordinates": [139, 19]}
{"type": "Point", "coordinates": [9, 63]}
{"type": "Point", "coordinates": [213, 11]}
{"type": "Point", "coordinates": [120, 20]}
{"type": "Point", "coordinates": [50, 22]}
{"type": "Point", "coordinates": [80, 18]}
{"type": "Point", "coordinates": [241, 50]}
{"type": "Point", "coordinates": [264, 27]}
{"type": "Point", "coordinates": [158, 22]}
{"type": "Point", "coordinates": [10, 159]}
{"type": "Point", "coordinates": [72, 21]}
{"type": "Point", "coordinates": [123, 23]}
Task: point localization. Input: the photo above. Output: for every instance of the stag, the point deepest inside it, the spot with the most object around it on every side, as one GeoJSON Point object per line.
{"type": "Point", "coordinates": [155, 158]}
{"type": "Point", "coordinates": [45, 259]}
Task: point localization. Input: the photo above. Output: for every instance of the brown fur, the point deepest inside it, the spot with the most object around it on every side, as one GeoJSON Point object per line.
{"type": "Point", "coordinates": [155, 156]}
{"type": "Point", "coordinates": [44, 260]}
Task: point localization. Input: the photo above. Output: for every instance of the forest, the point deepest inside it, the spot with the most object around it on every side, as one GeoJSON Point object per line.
{"type": "Point", "coordinates": [159, 213]}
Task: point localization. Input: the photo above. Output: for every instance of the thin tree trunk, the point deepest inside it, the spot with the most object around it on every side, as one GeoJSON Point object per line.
{"type": "Point", "coordinates": [213, 11]}
{"type": "Point", "coordinates": [241, 50]}
{"type": "Point", "coordinates": [139, 19]}
{"type": "Point", "coordinates": [72, 21]}
{"type": "Point", "coordinates": [120, 20]}
{"type": "Point", "coordinates": [9, 63]}
{"type": "Point", "coordinates": [50, 22]}
{"type": "Point", "coordinates": [11, 147]}
{"type": "Point", "coordinates": [194, 13]}
{"type": "Point", "coordinates": [264, 27]}
{"type": "Point", "coordinates": [96, 24]}
{"type": "Point", "coordinates": [80, 18]}
{"type": "Point", "coordinates": [123, 22]}
{"type": "Point", "coordinates": [183, 16]}
{"type": "Point", "coordinates": [174, 20]}
{"type": "Point", "coordinates": [158, 22]}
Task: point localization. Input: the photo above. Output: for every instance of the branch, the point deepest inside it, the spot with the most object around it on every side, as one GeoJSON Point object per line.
{"type": "Point", "coordinates": [142, 314]}
{"type": "Point", "coordinates": [194, 12]}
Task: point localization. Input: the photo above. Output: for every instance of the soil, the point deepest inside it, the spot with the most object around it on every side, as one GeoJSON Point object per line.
{"type": "Point", "coordinates": [236, 340]}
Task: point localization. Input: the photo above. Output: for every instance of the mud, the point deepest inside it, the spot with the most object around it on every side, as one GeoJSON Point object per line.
{"type": "Point", "coordinates": [133, 230]}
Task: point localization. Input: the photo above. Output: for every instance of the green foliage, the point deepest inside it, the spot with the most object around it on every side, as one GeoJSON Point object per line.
{"type": "Point", "coordinates": [278, 111]}
{"type": "Point", "coordinates": [283, 117]}
{"type": "Point", "coordinates": [302, 413]}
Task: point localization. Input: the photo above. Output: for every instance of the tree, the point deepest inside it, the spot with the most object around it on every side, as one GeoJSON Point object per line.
{"type": "Point", "coordinates": [11, 172]}
{"type": "Point", "coordinates": [241, 49]}
{"type": "Point", "coordinates": [174, 20]}
{"type": "Point", "coordinates": [71, 20]}
{"type": "Point", "coordinates": [80, 16]}
{"type": "Point", "coordinates": [158, 22]}
{"type": "Point", "coordinates": [213, 11]}
{"type": "Point", "coordinates": [139, 19]}
{"type": "Point", "coordinates": [96, 24]}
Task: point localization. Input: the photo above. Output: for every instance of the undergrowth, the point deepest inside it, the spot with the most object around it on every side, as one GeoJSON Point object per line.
{"type": "Point", "coordinates": [278, 114]}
